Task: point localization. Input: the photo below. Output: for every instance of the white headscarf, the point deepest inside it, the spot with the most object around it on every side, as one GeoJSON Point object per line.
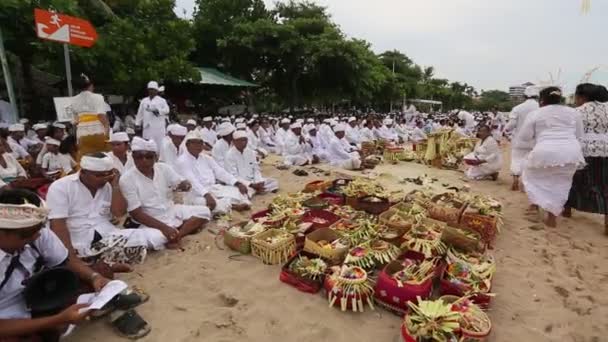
{"type": "Point", "coordinates": [96, 164]}
{"type": "Point", "coordinates": [140, 144]}
{"type": "Point", "coordinates": [14, 216]}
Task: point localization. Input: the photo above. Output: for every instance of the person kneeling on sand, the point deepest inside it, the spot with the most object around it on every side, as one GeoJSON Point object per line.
{"type": "Point", "coordinates": [341, 153]}
{"type": "Point", "coordinates": [148, 189]}
{"type": "Point", "coordinates": [205, 174]}
{"type": "Point", "coordinates": [242, 163]}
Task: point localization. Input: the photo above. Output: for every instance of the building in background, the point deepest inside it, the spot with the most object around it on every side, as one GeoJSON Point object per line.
{"type": "Point", "coordinates": [517, 91]}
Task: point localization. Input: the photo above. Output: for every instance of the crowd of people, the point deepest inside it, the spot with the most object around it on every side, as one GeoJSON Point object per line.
{"type": "Point", "coordinates": [112, 195]}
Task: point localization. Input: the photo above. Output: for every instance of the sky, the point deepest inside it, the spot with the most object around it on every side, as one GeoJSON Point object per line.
{"type": "Point", "coordinates": [490, 44]}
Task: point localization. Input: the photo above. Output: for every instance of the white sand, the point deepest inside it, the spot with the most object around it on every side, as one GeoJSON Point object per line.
{"type": "Point", "coordinates": [551, 284]}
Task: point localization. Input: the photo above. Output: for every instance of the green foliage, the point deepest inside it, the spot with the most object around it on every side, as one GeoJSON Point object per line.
{"type": "Point", "coordinates": [494, 99]}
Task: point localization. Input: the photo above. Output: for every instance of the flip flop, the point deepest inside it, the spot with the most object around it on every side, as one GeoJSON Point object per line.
{"type": "Point", "coordinates": [131, 298]}
{"type": "Point", "coordinates": [129, 324]}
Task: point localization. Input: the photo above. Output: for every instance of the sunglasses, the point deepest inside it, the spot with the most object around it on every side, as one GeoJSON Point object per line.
{"type": "Point", "coordinates": [149, 156]}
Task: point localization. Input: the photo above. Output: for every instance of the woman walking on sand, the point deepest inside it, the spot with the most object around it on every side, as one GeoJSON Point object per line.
{"type": "Point", "coordinates": [555, 157]}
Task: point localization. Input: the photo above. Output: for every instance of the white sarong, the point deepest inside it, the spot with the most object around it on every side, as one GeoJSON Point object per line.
{"type": "Point", "coordinates": [549, 187]}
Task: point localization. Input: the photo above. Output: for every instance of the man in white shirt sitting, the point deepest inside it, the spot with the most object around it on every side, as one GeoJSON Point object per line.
{"type": "Point", "coordinates": [222, 145]}
{"type": "Point", "coordinates": [191, 125]}
{"type": "Point", "coordinates": [341, 153]}
{"type": "Point", "coordinates": [242, 163]}
{"type": "Point", "coordinates": [82, 206]}
{"type": "Point", "coordinates": [17, 133]}
{"type": "Point", "coordinates": [297, 150]}
{"type": "Point", "coordinates": [121, 157]}
{"type": "Point", "coordinates": [281, 135]}
{"type": "Point", "coordinates": [318, 149]}
{"type": "Point", "coordinates": [205, 175]}
{"type": "Point", "coordinates": [209, 135]}
{"type": "Point", "coordinates": [386, 131]}
{"type": "Point", "coordinates": [148, 189]}
{"type": "Point", "coordinates": [352, 132]}
{"type": "Point", "coordinates": [418, 134]}
{"type": "Point", "coordinates": [172, 145]}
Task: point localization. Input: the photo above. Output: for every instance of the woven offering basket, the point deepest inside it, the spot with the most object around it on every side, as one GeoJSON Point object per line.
{"type": "Point", "coordinates": [397, 226]}
{"type": "Point", "coordinates": [334, 255]}
{"type": "Point", "coordinates": [272, 253]}
{"type": "Point", "coordinates": [469, 335]}
{"type": "Point", "coordinates": [301, 283]}
{"type": "Point", "coordinates": [349, 294]}
{"type": "Point", "coordinates": [444, 213]}
{"type": "Point", "coordinates": [262, 216]}
{"type": "Point", "coordinates": [456, 237]}
{"type": "Point", "coordinates": [320, 218]}
{"type": "Point", "coordinates": [373, 204]}
{"type": "Point", "coordinates": [332, 198]}
{"type": "Point", "coordinates": [317, 185]}
{"type": "Point", "coordinates": [389, 294]}
{"type": "Point", "coordinates": [486, 226]}
{"type": "Point", "coordinates": [239, 243]}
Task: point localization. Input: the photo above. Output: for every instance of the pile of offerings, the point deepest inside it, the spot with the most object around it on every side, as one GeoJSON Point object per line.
{"type": "Point", "coordinates": [418, 259]}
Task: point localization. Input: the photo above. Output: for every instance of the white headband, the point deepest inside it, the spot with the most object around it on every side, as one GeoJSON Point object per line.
{"type": "Point", "coordinates": [239, 135]}
{"type": "Point", "coordinates": [96, 164]}
{"type": "Point", "coordinates": [13, 216]}
{"type": "Point", "coordinates": [140, 144]}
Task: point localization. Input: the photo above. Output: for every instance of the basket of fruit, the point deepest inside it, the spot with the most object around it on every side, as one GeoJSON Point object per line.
{"type": "Point", "coordinates": [304, 271]}
{"type": "Point", "coordinates": [372, 254]}
{"type": "Point", "coordinates": [475, 325]}
{"type": "Point", "coordinates": [238, 237]}
{"type": "Point", "coordinates": [348, 288]}
{"type": "Point", "coordinates": [327, 244]}
{"type": "Point", "coordinates": [273, 246]}
{"type": "Point", "coordinates": [468, 274]}
{"type": "Point", "coordinates": [425, 237]}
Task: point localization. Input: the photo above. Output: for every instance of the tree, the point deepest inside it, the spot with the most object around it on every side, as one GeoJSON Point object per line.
{"type": "Point", "coordinates": [494, 99]}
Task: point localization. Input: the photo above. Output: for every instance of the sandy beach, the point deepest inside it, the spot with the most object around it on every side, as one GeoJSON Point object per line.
{"type": "Point", "coordinates": [550, 284]}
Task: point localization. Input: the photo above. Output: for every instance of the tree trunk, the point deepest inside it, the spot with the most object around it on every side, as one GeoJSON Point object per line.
{"type": "Point", "coordinates": [293, 93]}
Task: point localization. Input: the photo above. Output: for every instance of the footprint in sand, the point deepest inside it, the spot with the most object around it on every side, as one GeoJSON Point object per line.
{"type": "Point", "coordinates": [562, 291]}
{"type": "Point", "coordinates": [228, 301]}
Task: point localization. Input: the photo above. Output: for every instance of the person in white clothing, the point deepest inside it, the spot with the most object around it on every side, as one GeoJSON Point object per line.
{"type": "Point", "coordinates": [317, 146]}
{"type": "Point", "coordinates": [352, 132]}
{"type": "Point", "coordinates": [121, 157]}
{"type": "Point", "coordinates": [555, 157]}
{"type": "Point", "coordinates": [297, 150]}
{"type": "Point", "coordinates": [402, 130]}
{"type": "Point", "coordinates": [81, 208]}
{"type": "Point", "coordinates": [253, 139]}
{"type": "Point", "coordinates": [485, 161]}
{"type": "Point", "coordinates": [281, 135]}
{"type": "Point", "coordinates": [221, 147]}
{"type": "Point", "coordinates": [386, 131]}
{"type": "Point", "coordinates": [468, 118]}
{"type": "Point", "coordinates": [341, 153]}
{"type": "Point", "coordinates": [17, 133]}
{"type": "Point", "coordinates": [40, 133]}
{"type": "Point", "coordinates": [519, 147]}
{"type": "Point", "coordinates": [173, 145]}
{"type": "Point", "coordinates": [148, 190]}
{"type": "Point", "coordinates": [152, 115]}
{"type": "Point", "coordinates": [209, 135]}
{"type": "Point", "coordinates": [367, 132]}
{"type": "Point", "coordinates": [418, 134]}
{"type": "Point", "coordinates": [205, 175]}
{"type": "Point", "coordinates": [191, 125]}
{"type": "Point", "coordinates": [241, 162]}
{"type": "Point", "coordinates": [266, 137]}
{"type": "Point", "coordinates": [54, 164]}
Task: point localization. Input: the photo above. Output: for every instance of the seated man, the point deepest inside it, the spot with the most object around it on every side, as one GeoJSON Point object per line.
{"type": "Point", "coordinates": [204, 174]}
{"type": "Point", "coordinates": [315, 141]}
{"type": "Point", "coordinates": [170, 149]}
{"type": "Point", "coordinates": [341, 153]}
{"type": "Point", "coordinates": [26, 246]}
{"type": "Point", "coordinates": [209, 135]}
{"type": "Point", "coordinates": [55, 164]}
{"type": "Point", "coordinates": [17, 134]}
{"type": "Point", "coordinates": [242, 163]}
{"type": "Point", "coordinates": [81, 208]}
{"type": "Point", "coordinates": [486, 159]}
{"type": "Point", "coordinates": [222, 145]}
{"type": "Point", "coordinates": [121, 157]}
{"type": "Point", "coordinates": [386, 131]}
{"type": "Point", "coordinates": [148, 189]}
{"type": "Point", "coordinates": [297, 150]}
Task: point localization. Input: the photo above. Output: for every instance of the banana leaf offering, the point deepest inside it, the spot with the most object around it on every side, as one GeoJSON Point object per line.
{"type": "Point", "coordinates": [309, 268]}
{"type": "Point", "coordinates": [414, 271]}
{"type": "Point", "coordinates": [432, 321]}
{"type": "Point", "coordinates": [471, 273]}
{"type": "Point", "coordinates": [425, 238]}
{"type": "Point", "coordinates": [372, 254]}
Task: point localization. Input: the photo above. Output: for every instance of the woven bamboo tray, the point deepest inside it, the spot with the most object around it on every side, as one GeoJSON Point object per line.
{"type": "Point", "coordinates": [272, 253]}
{"type": "Point", "coordinates": [311, 245]}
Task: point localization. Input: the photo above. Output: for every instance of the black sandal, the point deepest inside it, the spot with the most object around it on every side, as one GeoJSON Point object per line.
{"type": "Point", "coordinates": [129, 324]}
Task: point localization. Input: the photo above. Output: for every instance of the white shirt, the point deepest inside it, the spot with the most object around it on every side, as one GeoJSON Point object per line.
{"type": "Point", "coordinates": [118, 165]}
{"type": "Point", "coordinates": [468, 118]}
{"type": "Point", "coordinates": [294, 147]}
{"type": "Point", "coordinates": [168, 152]}
{"type": "Point", "coordinates": [352, 135]}
{"type": "Point", "coordinates": [279, 139]}
{"type": "Point", "coordinates": [556, 130]}
{"type": "Point", "coordinates": [53, 253]}
{"type": "Point", "coordinates": [387, 133]}
{"type": "Point", "coordinates": [69, 199]}
{"type": "Point", "coordinates": [366, 134]}
{"type": "Point", "coordinates": [57, 161]}
{"type": "Point", "coordinates": [219, 151]}
{"type": "Point", "coordinates": [209, 136]}
{"type": "Point", "coordinates": [244, 166]}
{"type": "Point", "coordinates": [489, 151]}
{"type": "Point", "coordinates": [153, 125]}
{"type": "Point", "coordinates": [418, 135]}
{"type": "Point", "coordinates": [18, 151]}
{"type": "Point", "coordinates": [266, 138]}
{"type": "Point", "coordinates": [202, 172]}
{"type": "Point", "coordinates": [13, 168]}
{"type": "Point", "coordinates": [517, 120]}
{"type": "Point", "coordinates": [154, 196]}
{"type": "Point", "coordinates": [339, 150]}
